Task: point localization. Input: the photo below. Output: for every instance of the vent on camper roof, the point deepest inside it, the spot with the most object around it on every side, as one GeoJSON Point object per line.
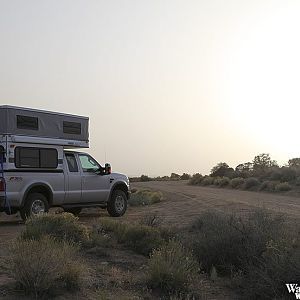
{"type": "Point", "coordinates": [71, 127]}
{"type": "Point", "coordinates": [26, 122]}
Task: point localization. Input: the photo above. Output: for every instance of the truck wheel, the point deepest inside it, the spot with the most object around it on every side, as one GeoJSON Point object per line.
{"type": "Point", "coordinates": [35, 204]}
{"type": "Point", "coordinates": [117, 204]}
{"type": "Point", "coordinates": [74, 210]}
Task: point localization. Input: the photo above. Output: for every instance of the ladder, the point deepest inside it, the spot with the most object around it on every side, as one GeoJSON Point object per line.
{"type": "Point", "coordinates": [6, 201]}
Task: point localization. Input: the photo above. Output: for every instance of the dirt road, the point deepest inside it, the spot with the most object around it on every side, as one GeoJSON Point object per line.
{"type": "Point", "coordinates": [184, 202]}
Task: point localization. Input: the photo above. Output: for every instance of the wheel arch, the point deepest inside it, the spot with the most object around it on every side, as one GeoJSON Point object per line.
{"type": "Point", "coordinates": [120, 186]}
{"type": "Point", "coordinates": [39, 187]}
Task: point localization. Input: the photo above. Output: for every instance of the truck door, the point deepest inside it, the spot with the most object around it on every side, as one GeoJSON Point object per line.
{"type": "Point", "coordinates": [73, 180]}
{"type": "Point", "coordinates": [95, 187]}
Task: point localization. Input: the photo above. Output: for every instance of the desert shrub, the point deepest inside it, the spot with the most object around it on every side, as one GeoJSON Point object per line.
{"type": "Point", "coordinates": [151, 220]}
{"type": "Point", "coordinates": [224, 181]}
{"type": "Point", "coordinates": [196, 179]}
{"type": "Point", "coordinates": [279, 264]}
{"type": "Point", "coordinates": [185, 176]}
{"type": "Point", "coordinates": [40, 266]}
{"type": "Point", "coordinates": [217, 181]}
{"type": "Point", "coordinates": [172, 268]}
{"type": "Point", "coordinates": [283, 187]}
{"type": "Point", "coordinates": [145, 178]}
{"type": "Point", "coordinates": [297, 181]}
{"type": "Point", "coordinates": [60, 226]}
{"type": "Point", "coordinates": [140, 238]}
{"type": "Point", "coordinates": [288, 174]}
{"type": "Point", "coordinates": [145, 197]}
{"type": "Point", "coordinates": [237, 182]}
{"type": "Point", "coordinates": [230, 243]}
{"type": "Point", "coordinates": [268, 186]}
{"type": "Point", "coordinates": [207, 180]}
{"type": "Point", "coordinates": [250, 183]}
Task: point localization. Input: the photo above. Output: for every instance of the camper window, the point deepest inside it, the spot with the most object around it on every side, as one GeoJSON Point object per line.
{"type": "Point", "coordinates": [26, 157]}
{"type": "Point", "coordinates": [26, 122]}
{"type": "Point", "coordinates": [71, 127]}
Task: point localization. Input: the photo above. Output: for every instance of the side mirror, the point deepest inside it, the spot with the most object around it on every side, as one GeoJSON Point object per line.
{"type": "Point", "coordinates": [107, 168]}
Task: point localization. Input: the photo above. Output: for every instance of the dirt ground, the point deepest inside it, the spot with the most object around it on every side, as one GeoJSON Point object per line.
{"type": "Point", "coordinates": [182, 203]}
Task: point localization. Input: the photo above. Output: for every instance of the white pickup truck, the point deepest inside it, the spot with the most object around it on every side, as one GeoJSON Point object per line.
{"type": "Point", "coordinates": [38, 170]}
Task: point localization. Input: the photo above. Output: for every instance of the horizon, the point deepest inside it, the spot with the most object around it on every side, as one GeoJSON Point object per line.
{"type": "Point", "coordinates": [168, 86]}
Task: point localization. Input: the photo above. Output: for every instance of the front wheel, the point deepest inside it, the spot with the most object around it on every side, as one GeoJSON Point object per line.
{"type": "Point", "coordinates": [117, 204]}
{"type": "Point", "coordinates": [35, 204]}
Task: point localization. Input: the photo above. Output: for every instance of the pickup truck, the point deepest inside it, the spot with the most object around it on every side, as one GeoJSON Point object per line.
{"type": "Point", "coordinates": [34, 178]}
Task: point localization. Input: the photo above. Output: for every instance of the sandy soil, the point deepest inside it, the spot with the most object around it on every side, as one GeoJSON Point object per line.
{"type": "Point", "coordinates": [184, 202]}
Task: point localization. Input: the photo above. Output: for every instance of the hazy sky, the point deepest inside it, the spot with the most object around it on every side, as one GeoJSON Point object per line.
{"type": "Point", "coordinates": [169, 86]}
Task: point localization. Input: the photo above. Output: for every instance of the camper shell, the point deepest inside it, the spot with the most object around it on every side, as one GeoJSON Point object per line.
{"type": "Point", "coordinates": [26, 125]}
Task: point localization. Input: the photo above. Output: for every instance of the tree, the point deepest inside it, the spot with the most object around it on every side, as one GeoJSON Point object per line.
{"type": "Point", "coordinates": [262, 162]}
{"type": "Point", "coordinates": [185, 176]}
{"type": "Point", "coordinates": [294, 163]}
{"type": "Point", "coordinates": [221, 169]}
{"type": "Point", "coordinates": [175, 176]}
{"type": "Point", "coordinates": [244, 170]}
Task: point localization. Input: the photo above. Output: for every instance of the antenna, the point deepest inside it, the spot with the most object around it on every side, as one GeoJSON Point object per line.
{"type": "Point", "coordinates": [105, 154]}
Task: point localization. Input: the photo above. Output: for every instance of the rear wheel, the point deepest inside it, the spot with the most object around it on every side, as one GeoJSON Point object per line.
{"type": "Point", "coordinates": [35, 204]}
{"type": "Point", "coordinates": [117, 204]}
{"type": "Point", "coordinates": [74, 210]}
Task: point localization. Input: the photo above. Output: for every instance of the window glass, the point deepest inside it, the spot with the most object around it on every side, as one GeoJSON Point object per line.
{"type": "Point", "coordinates": [26, 157]}
{"type": "Point", "coordinates": [2, 156]}
{"type": "Point", "coordinates": [48, 158]}
{"type": "Point", "coordinates": [71, 161]}
{"type": "Point", "coordinates": [71, 127]}
{"type": "Point", "coordinates": [88, 164]}
{"type": "Point", "coordinates": [26, 122]}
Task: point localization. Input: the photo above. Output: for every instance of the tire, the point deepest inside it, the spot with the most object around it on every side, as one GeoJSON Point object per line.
{"type": "Point", "coordinates": [117, 204]}
{"type": "Point", "coordinates": [35, 204]}
{"type": "Point", "coordinates": [73, 210]}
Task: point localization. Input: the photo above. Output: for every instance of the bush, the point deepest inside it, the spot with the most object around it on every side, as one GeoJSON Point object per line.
{"type": "Point", "coordinates": [229, 243]}
{"type": "Point", "coordinates": [145, 178]}
{"type": "Point", "coordinates": [41, 266]}
{"type": "Point", "coordinates": [145, 197]}
{"type": "Point", "coordinates": [61, 226]}
{"type": "Point", "coordinates": [283, 187]}
{"type": "Point", "coordinates": [268, 186]}
{"type": "Point", "coordinates": [279, 264]}
{"type": "Point", "coordinates": [250, 183]}
{"type": "Point", "coordinates": [196, 179]}
{"type": "Point", "coordinates": [172, 268]}
{"type": "Point", "coordinates": [140, 238]}
{"type": "Point", "coordinates": [237, 182]}
{"type": "Point", "coordinates": [224, 181]}
{"type": "Point", "coordinates": [207, 180]}
{"type": "Point", "coordinates": [185, 176]}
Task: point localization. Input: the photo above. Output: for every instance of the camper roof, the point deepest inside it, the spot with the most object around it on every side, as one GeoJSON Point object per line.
{"type": "Point", "coordinates": [59, 128]}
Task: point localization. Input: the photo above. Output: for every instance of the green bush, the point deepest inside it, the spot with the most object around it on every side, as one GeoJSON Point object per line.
{"type": "Point", "coordinates": [237, 182]}
{"type": "Point", "coordinates": [207, 180]}
{"type": "Point", "coordinates": [196, 179]}
{"type": "Point", "coordinates": [140, 238]}
{"type": "Point", "coordinates": [283, 187]}
{"type": "Point", "coordinates": [185, 176]}
{"type": "Point", "coordinates": [145, 197]}
{"type": "Point", "coordinates": [250, 183]}
{"type": "Point", "coordinates": [41, 266]}
{"type": "Point", "coordinates": [172, 268]}
{"type": "Point", "coordinates": [63, 226]}
{"type": "Point", "coordinates": [229, 242]}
